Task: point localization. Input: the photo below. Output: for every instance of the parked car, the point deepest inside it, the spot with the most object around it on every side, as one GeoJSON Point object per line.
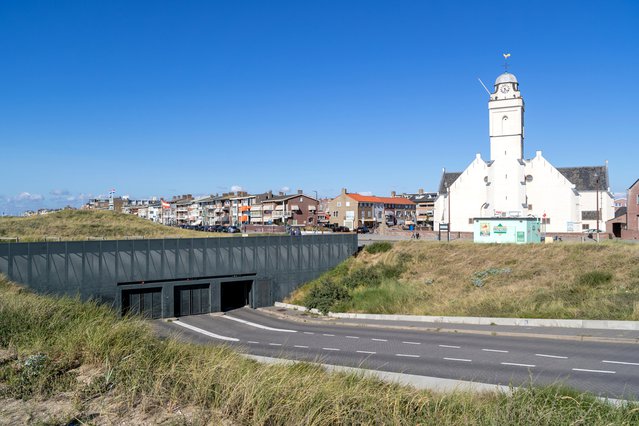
{"type": "Point", "coordinates": [232, 229]}
{"type": "Point", "coordinates": [341, 229]}
{"type": "Point", "coordinates": [363, 230]}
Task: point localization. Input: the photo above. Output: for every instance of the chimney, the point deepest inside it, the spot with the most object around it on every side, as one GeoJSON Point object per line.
{"type": "Point", "coordinates": [269, 195]}
{"type": "Point", "coordinates": [420, 191]}
{"type": "Point", "coordinates": [300, 192]}
{"type": "Point", "coordinates": [393, 194]}
{"type": "Point", "coordinates": [343, 190]}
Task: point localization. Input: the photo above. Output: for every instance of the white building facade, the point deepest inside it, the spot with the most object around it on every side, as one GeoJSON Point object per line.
{"type": "Point", "coordinates": [565, 199]}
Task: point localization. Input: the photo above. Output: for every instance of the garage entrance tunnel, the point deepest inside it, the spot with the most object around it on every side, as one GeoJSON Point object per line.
{"type": "Point", "coordinates": [235, 294]}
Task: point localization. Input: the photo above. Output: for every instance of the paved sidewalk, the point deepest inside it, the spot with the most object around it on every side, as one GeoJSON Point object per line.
{"type": "Point", "coordinates": [561, 333]}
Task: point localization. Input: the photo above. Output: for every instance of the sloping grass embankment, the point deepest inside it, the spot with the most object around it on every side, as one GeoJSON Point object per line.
{"type": "Point", "coordinates": [49, 344]}
{"type": "Point", "coordinates": [564, 280]}
{"type": "Point", "coordinates": [85, 224]}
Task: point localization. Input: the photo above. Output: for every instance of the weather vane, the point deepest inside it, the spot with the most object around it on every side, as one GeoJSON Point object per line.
{"type": "Point", "coordinates": [506, 56]}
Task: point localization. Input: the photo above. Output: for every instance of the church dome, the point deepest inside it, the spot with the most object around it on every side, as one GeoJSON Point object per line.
{"type": "Point", "coordinates": [506, 78]}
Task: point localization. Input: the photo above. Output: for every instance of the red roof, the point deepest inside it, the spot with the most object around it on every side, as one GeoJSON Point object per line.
{"type": "Point", "coordinates": [384, 200]}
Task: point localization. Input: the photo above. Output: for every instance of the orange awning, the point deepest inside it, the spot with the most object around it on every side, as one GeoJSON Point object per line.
{"type": "Point", "coordinates": [245, 208]}
{"type": "Point", "coordinates": [244, 218]}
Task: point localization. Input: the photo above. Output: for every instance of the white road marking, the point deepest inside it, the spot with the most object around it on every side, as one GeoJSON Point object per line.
{"type": "Point", "coordinates": [620, 362]}
{"type": "Point", "coordinates": [412, 343]}
{"type": "Point", "coordinates": [407, 355]}
{"type": "Point", "coordinates": [263, 327]}
{"type": "Point", "coordinates": [351, 337]}
{"type": "Point", "coordinates": [495, 350]}
{"type": "Point", "coordinates": [275, 344]}
{"type": "Point", "coordinates": [594, 371]}
{"type": "Point", "coordinates": [449, 346]}
{"type": "Point", "coordinates": [300, 346]}
{"type": "Point", "coordinates": [518, 365]}
{"type": "Point", "coordinates": [366, 352]}
{"type": "Point", "coordinates": [308, 332]}
{"type": "Point", "coordinates": [330, 349]}
{"type": "Point", "coordinates": [328, 335]}
{"type": "Point", "coordinates": [380, 340]}
{"type": "Point", "coordinates": [206, 333]}
{"type": "Point", "coordinates": [552, 356]}
{"type": "Point", "coordinates": [252, 341]}
{"type": "Point", "coordinates": [458, 359]}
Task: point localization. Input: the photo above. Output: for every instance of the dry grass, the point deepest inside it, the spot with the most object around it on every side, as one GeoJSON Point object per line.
{"type": "Point", "coordinates": [83, 352]}
{"type": "Point", "coordinates": [548, 281]}
{"type": "Point", "coordinates": [85, 224]}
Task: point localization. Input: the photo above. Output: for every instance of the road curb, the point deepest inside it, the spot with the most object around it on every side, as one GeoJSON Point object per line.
{"type": "Point", "coordinates": [521, 322]}
{"type": "Point", "coordinates": [574, 338]}
{"type": "Point", "coordinates": [434, 384]}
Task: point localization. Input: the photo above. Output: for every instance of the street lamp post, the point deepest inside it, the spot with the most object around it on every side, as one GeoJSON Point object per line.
{"type": "Point", "coordinates": [597, 213]}
{"type": "Point", "coordinates": [448, 197]}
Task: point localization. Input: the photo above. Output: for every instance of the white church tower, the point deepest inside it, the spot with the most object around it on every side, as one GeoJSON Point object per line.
{"type": "Point", "coordinates": [506, 191]}
{"type": "Point", "coordinates": [566, 199]}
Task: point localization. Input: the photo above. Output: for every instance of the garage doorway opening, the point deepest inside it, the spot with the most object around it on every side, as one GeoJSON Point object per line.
{"type": "Point", "coordinates": [192, 300]}
{"type": "Point", "coordinates": [235, 294]}
{"type": "Point", "coordinates": [145, 302]}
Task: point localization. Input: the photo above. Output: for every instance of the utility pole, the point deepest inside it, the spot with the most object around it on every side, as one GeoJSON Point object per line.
{"type": "Point", "coordinates": [597, 183]}
{"type": "Point", "coordinates": [448, 197]}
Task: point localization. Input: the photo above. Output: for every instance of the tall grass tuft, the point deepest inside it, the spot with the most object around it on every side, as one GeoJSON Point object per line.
{"type": "Point", "coordinates": [55, 336]}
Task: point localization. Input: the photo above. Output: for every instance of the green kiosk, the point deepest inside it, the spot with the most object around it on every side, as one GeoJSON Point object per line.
{"type": "Point", "coordinates": [518, 230]}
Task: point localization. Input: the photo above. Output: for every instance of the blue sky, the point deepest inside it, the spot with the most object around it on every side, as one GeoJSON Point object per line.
{"type": "Point", "coordinates": [162, 98]}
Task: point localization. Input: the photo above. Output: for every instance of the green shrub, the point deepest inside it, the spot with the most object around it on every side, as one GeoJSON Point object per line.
{"type": "Point", "coordinates": [326, 294]}
{"type": "Point", "coordinates": [380, 247]}
{"type": "Point", "coordinates": [366, 276]}
{"type": "Point", "coordinates": [594, 278]}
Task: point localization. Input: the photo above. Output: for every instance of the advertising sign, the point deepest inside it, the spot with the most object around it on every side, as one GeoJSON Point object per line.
{"type": "Point", "coordinates": [500, 229]}
{"type": "Point", "coordinates": [484, 229]}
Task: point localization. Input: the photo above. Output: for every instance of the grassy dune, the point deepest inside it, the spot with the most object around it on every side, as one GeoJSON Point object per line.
{"type": "Point", "coordinates": [586, 281]}
{"type": "Point", "coordinates": [62, 349]}
{"type": "Point", "coordinates": [84, 224]}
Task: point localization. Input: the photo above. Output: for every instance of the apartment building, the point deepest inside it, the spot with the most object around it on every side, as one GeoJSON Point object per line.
{"type": "Point", "coordinates": [352, 210]}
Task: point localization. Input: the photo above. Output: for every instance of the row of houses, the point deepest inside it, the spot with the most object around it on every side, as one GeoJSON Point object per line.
{"type": "Point", "coordinates": [349, 210]}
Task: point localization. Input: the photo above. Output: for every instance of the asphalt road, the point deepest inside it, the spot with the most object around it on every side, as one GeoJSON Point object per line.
{"type": "Point", "coordinates": [606, 369]}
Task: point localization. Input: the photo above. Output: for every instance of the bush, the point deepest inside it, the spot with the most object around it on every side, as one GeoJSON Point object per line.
{"type": "Point", "coordinates": [381, 247]}
{"type": "Point", "coordinates": [366, 276]}
{"type": "Point", "coordinates": [594, 278]}
{"type": "Point", "coordinates": [325, 295]}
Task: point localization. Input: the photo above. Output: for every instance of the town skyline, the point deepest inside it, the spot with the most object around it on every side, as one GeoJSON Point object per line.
{"type": "Point", "coordinates": [104, 97]}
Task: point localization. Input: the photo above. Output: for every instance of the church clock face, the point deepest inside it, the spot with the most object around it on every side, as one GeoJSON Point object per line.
{"type": "Point", "coordinates": [504, 89]}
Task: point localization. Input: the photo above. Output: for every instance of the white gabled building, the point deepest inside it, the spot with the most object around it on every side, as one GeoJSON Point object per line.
{"type": "Point", "coordinates": [508, 185]}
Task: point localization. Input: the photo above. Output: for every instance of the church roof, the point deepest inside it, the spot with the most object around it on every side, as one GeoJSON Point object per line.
{"type": "Point", "coordinates": [448, 178]}
{"type": "Point", "coordinates": [585, 179]}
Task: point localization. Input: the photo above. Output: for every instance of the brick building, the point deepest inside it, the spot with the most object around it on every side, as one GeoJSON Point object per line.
{"type": "Point", "coordinates": [625, 224]}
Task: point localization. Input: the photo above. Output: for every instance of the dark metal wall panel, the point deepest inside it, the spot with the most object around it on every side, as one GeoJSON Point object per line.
{"type": "Point", "coordinates": [95, 269]}
{"type": "Point", "coordinates": [4, 258]}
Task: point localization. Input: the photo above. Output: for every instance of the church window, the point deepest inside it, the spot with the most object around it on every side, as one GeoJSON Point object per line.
{"type": "Point", "coordinates": [529, 206]}
{"type": "Point", "coordinates": [470, 221]}
{"type": "Point", "coordinates": [545, 221]}
{"type": "Point", "coordinates": [585, 226]}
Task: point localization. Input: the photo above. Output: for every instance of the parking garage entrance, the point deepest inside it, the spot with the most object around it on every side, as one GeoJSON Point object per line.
{"type": "Point", "coordinates": [235, 294]}
{"type": "Point", "coordinates": [192, 299]}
